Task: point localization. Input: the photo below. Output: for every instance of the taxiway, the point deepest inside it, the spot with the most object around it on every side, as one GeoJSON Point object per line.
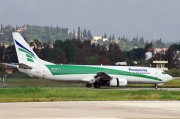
{"type": "Point", "coordinates": [91, 110]}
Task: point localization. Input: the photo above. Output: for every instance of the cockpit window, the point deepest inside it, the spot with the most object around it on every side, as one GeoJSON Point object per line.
{"type": "Point", "coordinates": [164, 72]}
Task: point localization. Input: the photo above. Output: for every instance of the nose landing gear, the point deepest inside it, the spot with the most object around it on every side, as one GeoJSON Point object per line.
{"type": "Point", "coordinates": [155, 86]}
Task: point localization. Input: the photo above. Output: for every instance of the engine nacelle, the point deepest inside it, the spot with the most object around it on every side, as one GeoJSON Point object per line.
{"type": "Point", "coordinates": [118, 82]}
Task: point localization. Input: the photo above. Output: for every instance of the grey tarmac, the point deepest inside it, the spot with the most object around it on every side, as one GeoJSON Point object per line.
{"type": "Point", "coordinates": [167, 89]}
{"type": "Point", "coordinates": [139, 88]}
{"type": "Point", "coordinates": [91, 110]}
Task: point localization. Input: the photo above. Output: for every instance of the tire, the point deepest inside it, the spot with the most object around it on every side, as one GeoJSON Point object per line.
{"type": "Point", "coordinates": [155, 86]}
{"type": "Point", "coordinates": [88, 85]}
{"type": "Point", "coordinates": [97, 85]}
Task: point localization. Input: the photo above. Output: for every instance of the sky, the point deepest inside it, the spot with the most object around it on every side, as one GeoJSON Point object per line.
{"type": "Point", "coordinates": [151, 19]}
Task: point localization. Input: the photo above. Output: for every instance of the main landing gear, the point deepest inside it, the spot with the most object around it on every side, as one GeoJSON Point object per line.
{"type": "Point", "coordinates": [96, 85]}
{"type": "Point", "coordinates": [88, 85]}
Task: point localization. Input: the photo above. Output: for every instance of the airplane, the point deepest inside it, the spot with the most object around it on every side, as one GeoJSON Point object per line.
{"type": "Point", "coordinates": [96, 75]}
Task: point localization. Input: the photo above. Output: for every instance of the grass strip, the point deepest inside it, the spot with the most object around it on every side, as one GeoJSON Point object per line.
{"type": "Point", "coordinates": [13, 83]}
{"type": "Point", "coordinates": [34, 94]}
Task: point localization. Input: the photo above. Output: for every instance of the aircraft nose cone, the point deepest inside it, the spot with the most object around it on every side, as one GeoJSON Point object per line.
{"type": "Point", "coordinates": [170, 77]}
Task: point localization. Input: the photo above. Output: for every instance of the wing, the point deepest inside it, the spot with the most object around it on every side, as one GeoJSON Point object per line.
{"type": "Point", "coordinates": [102, 76]}
{"type": "Point", "coordinates": [99, 77]}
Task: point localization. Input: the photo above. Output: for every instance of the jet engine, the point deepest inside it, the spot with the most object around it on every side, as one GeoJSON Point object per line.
{"type": "Point", "coordinates": [118, 82]}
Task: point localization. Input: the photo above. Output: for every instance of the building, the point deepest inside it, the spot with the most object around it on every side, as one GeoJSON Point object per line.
{"type": "Point", "coordinates": [97, 38]}
{"type": "Point", "coordinates": [161, 65]}
{"type": "Point", "coordinates": [158, 53]}
{"type": "Point", "coordinates": [105, 39]}
{"type": "Point", "coordinates": [9, 69]}
{"type": "Point", "coordinates": [159, 50]}
{"type": "Point", "coordinates": [21, 29]}
{"type": "Point", "coordinates": [124, 63]}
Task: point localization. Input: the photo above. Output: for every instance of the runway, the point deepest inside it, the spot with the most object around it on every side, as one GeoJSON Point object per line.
{"type": "Point", "coordinates": [144, 88]}
{"type": "Point", "coordinates": [168, 89]}
{"type": "Point", "coordinates": [91, 110]}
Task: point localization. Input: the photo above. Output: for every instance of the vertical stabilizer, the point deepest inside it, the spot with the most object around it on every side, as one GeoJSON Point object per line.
{"type": "Point", "coordinates": [25, 54]}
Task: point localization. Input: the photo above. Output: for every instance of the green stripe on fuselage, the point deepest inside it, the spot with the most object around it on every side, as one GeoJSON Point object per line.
{"type": "Point", "coordinates": [75, 69]}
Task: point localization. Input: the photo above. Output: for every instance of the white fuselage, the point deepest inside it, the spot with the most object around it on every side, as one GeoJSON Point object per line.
{"type": "Point", "coordinates": [44, 72]}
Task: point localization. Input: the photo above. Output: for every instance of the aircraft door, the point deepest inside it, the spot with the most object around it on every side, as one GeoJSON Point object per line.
{"type": "Point", "coordinates": [44, 72]}
{"type": "Point", "coordinates": [156, 74]}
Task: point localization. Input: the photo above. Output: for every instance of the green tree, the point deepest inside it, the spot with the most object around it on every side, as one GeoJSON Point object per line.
{"type": "Point", "coordinates": [71, 51]}
{"type": "Point", "coordinates": [46, 52]}
{"type": "Point", "coordinates": [83, 54]}
{"type": "Point", "coordinates": [171, 56]}
{"type": "Point", "coordinates": [79, 32]}
{"type": "Point", "coordinates": [2, 70]}
{"type": "Point", "coordinates": [95, 49]}
{"type": "Point", "coordinates": [89, 35]}
{"type": "Point", "coordinates": [87, 43]}
{"type": "Point", "coordinates": [104, 61]}
{"type": "Point", "coordinates": [129, 62]}
{"type": "Point", "coordinates": [135, 54]}
{"type": "Point", "coordinates": [58, 44]}
{"type": "Point", "coordinates": [60, 56]}
{"type": "Point", "coordinates": [144, 63]}
{"type": "Point", "coordinates": [113, 37]}
{"type": "Point", "coordinates": [77, 42]}
{"type": "Point", "coordinates": [110, 38]}
{"type": "Point", "coordinates": [115, 53]}
{"type": "Point", "coordinates": [2, 50]}
{"type": "Point", "coordinates": [141, 40]}
{"type": "Point", "coordinates": [10, 54]}
{"type": "Point", "coordinates": [147, 47]}
{"type": "Point", "coordinates": [37, 46]}
{"type": "Point", "coordinates": [105, 35]}
{"type": "Point", "coordinates": [84, 33]}
{"type": "Point", "coordinates": [2, 28]}
{"type": "Point", "coordinates": [93, 60]}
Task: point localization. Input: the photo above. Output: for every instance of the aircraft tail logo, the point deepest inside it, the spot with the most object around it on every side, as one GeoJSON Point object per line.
{"type": "Point", "coordinates": [30, 56]}
{"type": "Point", "coordinates": [25, 54]}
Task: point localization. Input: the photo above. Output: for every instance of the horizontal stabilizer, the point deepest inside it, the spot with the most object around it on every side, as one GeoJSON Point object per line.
{"type": "Point", "coordinates": [24, 66]}
{"type": "Point", "coordinates": [12, 65]}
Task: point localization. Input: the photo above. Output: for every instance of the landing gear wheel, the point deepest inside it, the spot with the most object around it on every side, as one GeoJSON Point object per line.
{"type": "Point", "coordinates": [88, 85]}
{"type": "Point", "coordinates": [155, 86]}
{"type": "Point", "coordinates": [97, 85]}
